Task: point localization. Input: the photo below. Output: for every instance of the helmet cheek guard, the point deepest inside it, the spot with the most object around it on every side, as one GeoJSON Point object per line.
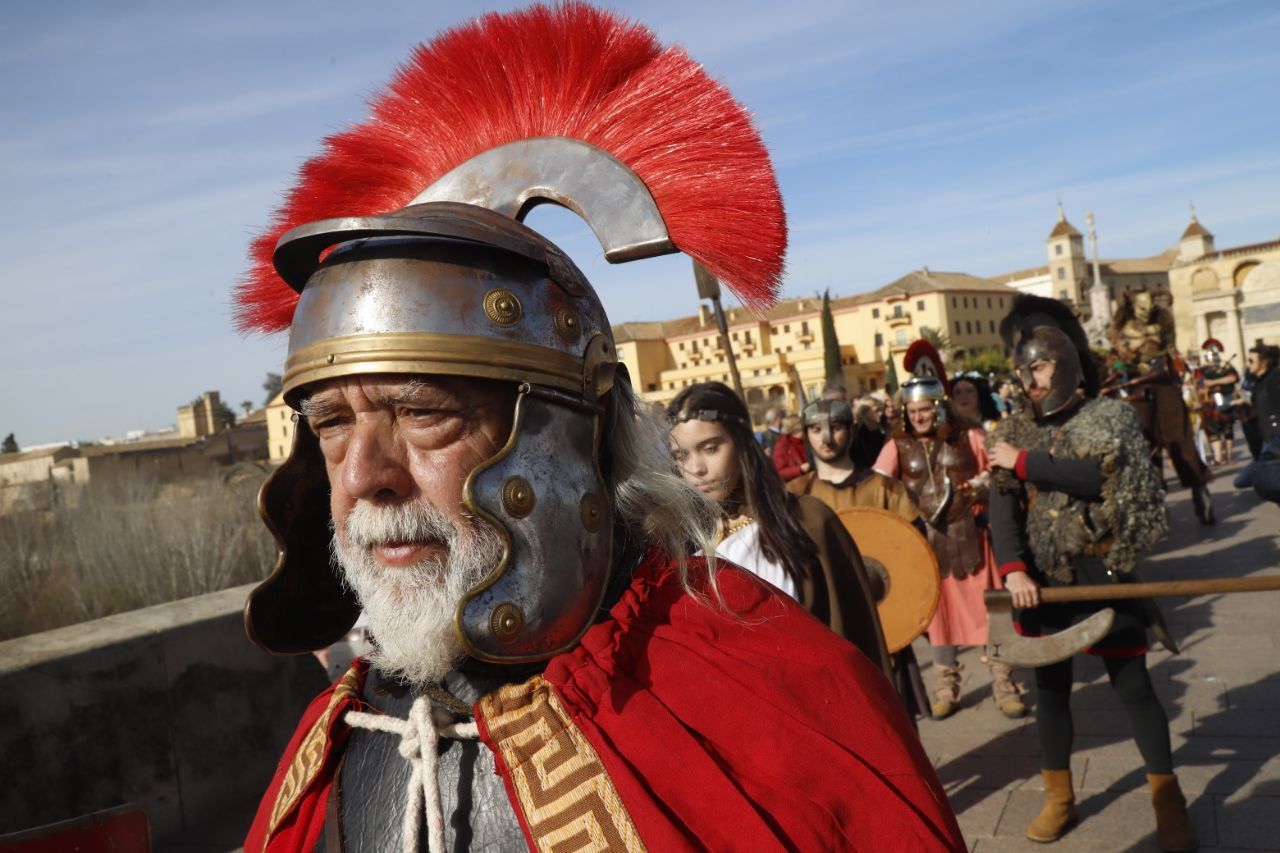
{"type": "Point", "coordinates": [927, 389]}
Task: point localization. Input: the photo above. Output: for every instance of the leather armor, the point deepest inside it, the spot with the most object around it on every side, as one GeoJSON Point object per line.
{"type": "Point", "coordinates": [934, 471]}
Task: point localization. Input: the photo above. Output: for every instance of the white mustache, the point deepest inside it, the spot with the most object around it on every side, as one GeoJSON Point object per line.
{"type": "Point", "coordinates": [369, 525]}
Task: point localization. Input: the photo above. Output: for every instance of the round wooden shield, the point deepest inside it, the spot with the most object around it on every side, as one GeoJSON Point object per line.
{"type": "Point", "coordinates": [895, 552]}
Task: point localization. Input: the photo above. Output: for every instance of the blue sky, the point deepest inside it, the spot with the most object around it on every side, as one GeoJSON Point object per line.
{"type": "Point", "coordinates": [142, 143]}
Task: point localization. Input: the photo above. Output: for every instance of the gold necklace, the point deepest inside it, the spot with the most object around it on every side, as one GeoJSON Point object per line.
{"type": "Point", "coordinates": [732, 526]}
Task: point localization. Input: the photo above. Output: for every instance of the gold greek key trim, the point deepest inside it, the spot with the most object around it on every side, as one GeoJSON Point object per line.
{"type": "Point", "coordinates": [433, 352]}
{"type": "Point", "coordinates": [310, 755]}
{"type": "Point", "coordinates": [568, 801]}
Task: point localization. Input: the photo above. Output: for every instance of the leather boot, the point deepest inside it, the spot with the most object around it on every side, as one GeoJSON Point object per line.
{"type": "Point", "coordinates": [1059, 810]}
{"type": "Point", "coordinates": [1006, 692]}
{"type": "Point", "coordinates": [1173, 826]}
{"type": "Point", "coordinates": [946, 691]}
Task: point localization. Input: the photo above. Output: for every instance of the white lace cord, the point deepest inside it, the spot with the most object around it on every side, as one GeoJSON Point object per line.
{"type": "Point", "coordinates": [419, 741]}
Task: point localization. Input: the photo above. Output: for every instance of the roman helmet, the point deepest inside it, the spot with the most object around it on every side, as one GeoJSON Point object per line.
{"type": "Point", "coordinates": [825, 414]}
{"type": "Point", "coordinates": [1211, 352]}
{"type": "Point", "coordinates": [401, 250]}
{"type": "Point", "coordinates": [1041, 329]}
{"type": "Point", "coordinates": [928, 382]}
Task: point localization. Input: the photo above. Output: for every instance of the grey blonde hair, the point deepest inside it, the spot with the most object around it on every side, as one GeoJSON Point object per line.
{"type": "Point", "coordinates": [653, 502]}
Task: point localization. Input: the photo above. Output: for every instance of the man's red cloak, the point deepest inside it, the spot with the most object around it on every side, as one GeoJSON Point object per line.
{"type": "Point", "coordinates": [676, 724]}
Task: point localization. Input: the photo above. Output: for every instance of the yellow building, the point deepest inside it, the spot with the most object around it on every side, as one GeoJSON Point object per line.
{"type": "Point", "coordinates": [1068, 274]}
{"type": "Point", "coordinates": [280, 426]}
{"type": "Point", "coordinates": [785, 346]}
{"type": "Point", "coordinates": [1229, 294]}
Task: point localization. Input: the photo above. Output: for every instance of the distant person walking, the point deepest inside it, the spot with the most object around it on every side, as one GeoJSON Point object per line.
{"type": "Point", "coordinates": [789, 454]}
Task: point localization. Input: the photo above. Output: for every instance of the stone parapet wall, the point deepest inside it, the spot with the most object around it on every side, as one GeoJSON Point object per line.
{"type": "Point", "coordinates": [170, 708]}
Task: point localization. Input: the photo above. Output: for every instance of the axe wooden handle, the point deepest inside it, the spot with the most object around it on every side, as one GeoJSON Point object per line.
{"type": "Point", "coordinates": [1156, 589]}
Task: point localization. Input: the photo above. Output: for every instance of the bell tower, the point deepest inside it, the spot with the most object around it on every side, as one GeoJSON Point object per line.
{"type": "Point", "coordinates": [1068, 270]}
{"type": "Point", "coordinates": [1196, 241]}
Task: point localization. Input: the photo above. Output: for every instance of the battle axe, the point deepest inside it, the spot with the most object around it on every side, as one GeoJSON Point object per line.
{"type": "Point", "coordinates": [1004, 645]}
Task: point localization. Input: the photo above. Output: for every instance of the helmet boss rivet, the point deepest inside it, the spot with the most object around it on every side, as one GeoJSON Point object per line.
{"type": "Point", "coordinates": [506, 622]}
{"type": "Point", "coordinates": [503, 307]}
{"type": "Point", "coordinates": [589, 509]}
{"type": "Point", "coordinates": [517, 497]}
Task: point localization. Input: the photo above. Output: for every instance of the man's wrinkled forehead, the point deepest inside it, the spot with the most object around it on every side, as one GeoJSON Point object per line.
{"type": "Point", "coordinates": [395, 390]}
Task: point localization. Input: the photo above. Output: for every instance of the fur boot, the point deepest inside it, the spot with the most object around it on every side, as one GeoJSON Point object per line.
{"type": "Point", "coordinates": [1006, 692]}
{"type": "Point", "coordinates": [1059, 810]}
{"type": "Point", "coordinates": [946, 691]}
{"type": "Point", "coordinates": [1173, 826]}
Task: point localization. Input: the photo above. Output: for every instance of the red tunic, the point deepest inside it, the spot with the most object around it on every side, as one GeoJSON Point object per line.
{"type": "Point", "coordinates": [761, 730]}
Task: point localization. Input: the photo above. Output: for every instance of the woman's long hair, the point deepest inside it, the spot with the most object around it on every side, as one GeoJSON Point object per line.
{"type": "Point", "coordinates": [653, 502]}
{"type": "Point", "coordinates": [987, 410]}
{"type": "Point", "coordinates": [761, 493]}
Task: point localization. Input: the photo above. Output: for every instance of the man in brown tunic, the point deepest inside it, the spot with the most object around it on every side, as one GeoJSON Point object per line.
{"type": "Point", "coordinates": [835, 480]}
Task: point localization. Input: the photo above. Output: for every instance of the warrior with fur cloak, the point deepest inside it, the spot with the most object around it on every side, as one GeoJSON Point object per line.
{"type": "Point", "coordinates": [554, 665]}
{"type": "Point", "coordinates": [1074, 501]}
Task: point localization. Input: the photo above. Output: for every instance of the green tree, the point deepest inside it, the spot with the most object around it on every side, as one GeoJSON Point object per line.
{"type": "Point", "coordinates": [988, 362]}
{"type": "Point", "coordinates": [273, 385]}
{"type": "Point", "coordinates": [10, 444]}
{"type": "Point", "coordinates": [891, 377]}
{"type": "Point", "coordinates": [247, 405]}
{"type": "Point", "coordinates": [225, 414]}
{"type": "Point", "coordinates": [940, 340]}
{"type": "Point", "coordinates": [830, 344]}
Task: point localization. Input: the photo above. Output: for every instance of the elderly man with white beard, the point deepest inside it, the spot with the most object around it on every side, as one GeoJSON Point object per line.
{"type": "Point", "coordinates": [554, 664]}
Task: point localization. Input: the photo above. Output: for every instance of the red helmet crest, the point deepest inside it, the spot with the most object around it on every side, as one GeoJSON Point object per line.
{"type": "Point", "coordinates": [567, 70]}
{"type": "Point", "coordinates": [925, 362]}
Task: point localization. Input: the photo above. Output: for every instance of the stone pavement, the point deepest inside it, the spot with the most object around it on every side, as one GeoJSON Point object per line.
{"type": "Point", "coordinates": [1222, 694]}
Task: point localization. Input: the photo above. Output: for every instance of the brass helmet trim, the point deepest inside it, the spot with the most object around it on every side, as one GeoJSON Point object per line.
{"type": "Point", "coordinates": [432, 352]}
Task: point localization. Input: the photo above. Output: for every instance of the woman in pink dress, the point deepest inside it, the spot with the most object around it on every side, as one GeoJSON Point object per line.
{"type": "Point", "coordinates": [943, 463]}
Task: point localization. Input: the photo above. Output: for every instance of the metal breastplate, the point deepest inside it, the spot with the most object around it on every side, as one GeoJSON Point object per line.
{"type": "Point", "coordinates": [369, 799]}
{"type": "Point", "coordinates": [933, 471]}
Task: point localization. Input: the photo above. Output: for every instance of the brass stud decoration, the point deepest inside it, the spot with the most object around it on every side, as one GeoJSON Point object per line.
{"type": "Point", "coordinates": [517, 497]}
{"type": "Point", "coordinates": [591, 511]}
{"type": "Point", "coordinates": [567, 325]}
{"type": "Point", "coordinates": [506, 622]}
{"type": "Point", "coordinates": [503, 307]}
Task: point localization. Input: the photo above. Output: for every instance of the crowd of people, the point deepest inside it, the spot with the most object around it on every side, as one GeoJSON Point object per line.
{"type": "Point", "coordinates": [989, 472]}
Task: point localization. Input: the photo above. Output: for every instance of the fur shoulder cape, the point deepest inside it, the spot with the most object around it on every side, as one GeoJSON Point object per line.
{"type": "Point", "coordinates": [1130, 511]}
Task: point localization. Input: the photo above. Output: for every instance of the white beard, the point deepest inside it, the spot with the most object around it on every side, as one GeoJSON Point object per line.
{"type": "Point", "coordinates": [411, 609]}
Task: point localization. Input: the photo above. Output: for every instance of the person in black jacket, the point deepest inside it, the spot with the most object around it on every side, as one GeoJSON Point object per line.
{"type": "Point", "coordinates": [1263, 472]}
